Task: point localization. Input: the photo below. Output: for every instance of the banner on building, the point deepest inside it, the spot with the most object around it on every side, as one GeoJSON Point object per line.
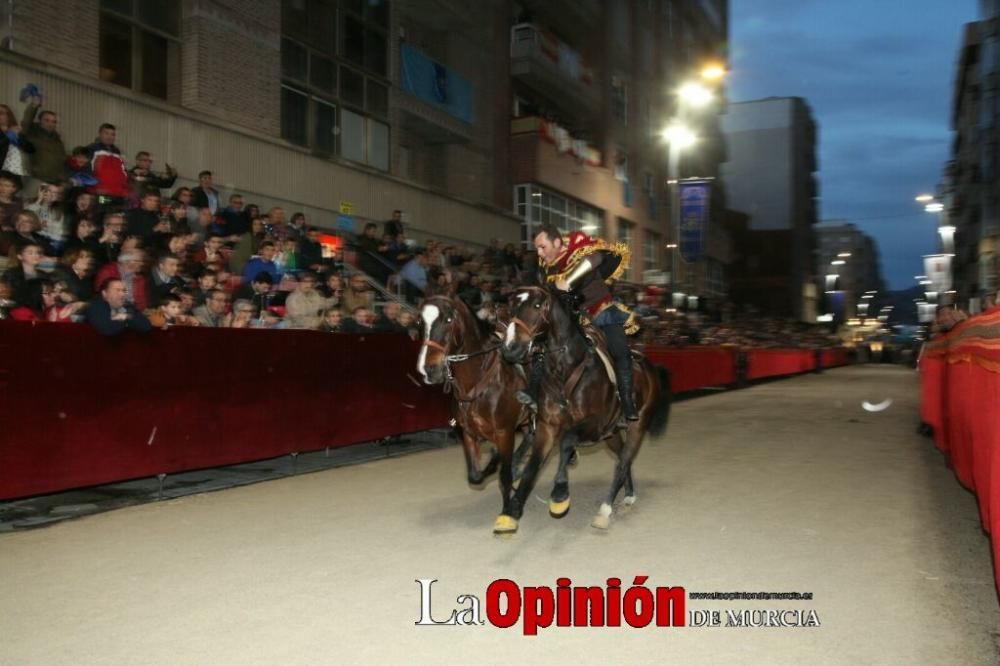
{"type": "Point", "coordinates": [694, 199]}
{"type": "Point", "coordinates": [937, 268]}
{"type": "Point", "coordinates": [435, 84]}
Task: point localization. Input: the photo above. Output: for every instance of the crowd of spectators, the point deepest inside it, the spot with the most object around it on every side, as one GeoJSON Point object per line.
{"type": "Point", "coordinates": [87, 235]}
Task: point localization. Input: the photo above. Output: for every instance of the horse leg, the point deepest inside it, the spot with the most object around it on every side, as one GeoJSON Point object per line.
{"type": "Point", "coordinates": [559, 499]}
{"type": "Point", "coordinates": [505, 446]}
{"type": "Point", "coordinates": [626, 449]}
{"type": "Point", "coordinates": [470, 446]}
{"type": "Point", "coordinates": [507, 522]}
{"type": "Point", "coordinates": [523, 447]}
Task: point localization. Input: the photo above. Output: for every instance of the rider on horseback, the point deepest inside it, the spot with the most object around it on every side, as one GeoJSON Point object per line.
{"type": "Point", "coordinates": [584, 267]}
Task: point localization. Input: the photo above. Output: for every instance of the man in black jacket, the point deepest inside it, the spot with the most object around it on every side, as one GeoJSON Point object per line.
{"type": "Point", "coordinates": [110, 314]}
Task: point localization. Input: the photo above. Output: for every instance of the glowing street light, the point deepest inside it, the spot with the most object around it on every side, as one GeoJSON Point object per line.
{"type": "Point", "coordinates": [837, 262]}
{"type": "Point", "coordinates": [934, 207]}
{"type": "Point", "coordinates": [695, 95]}
{"type": "Point", "coordinates": [679, 137]}
{"type": "Point", "coordinates": [671, 246]}
{"type": "Point", "coordinates": [713, 72]}
{"type": "Point", "coordinates": [925, 198]}
{"type": "Point", "coordinates": [844, 254]}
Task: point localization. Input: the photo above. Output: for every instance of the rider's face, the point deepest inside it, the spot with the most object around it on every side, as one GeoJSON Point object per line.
{"type": "Point", "coordinates": [548, 249]}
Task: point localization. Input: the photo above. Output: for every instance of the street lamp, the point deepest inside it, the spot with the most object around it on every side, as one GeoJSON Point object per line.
{"type": "Point", "coordinates": [713, 72]}
{"type": "Point", "coordinates": [678, 138]}
{"type": "Point", "coordinates": [695, 95]}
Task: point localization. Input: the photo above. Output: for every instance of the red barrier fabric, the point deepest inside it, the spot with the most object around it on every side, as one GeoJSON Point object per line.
{"type": "Point", "coordinates": [695, 367]}
{"type": "Point", "coordinates": [78, 409]}
{"type": "Point", "coordinates": [763, 363]}
{"type": "Point", "coordinates": [960, 388]}
{"type": "Point", "coordinates": [834, 358]}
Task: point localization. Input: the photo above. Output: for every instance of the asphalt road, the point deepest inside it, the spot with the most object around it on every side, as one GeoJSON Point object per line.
{"type": "Point", "coordinates": [789, 486]}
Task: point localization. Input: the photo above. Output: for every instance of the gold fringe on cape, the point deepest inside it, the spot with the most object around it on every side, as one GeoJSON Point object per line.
{"type": "Point", "coordinates": [620, 249]}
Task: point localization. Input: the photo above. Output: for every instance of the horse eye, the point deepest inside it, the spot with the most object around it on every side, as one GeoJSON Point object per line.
{"type": "Point", "coordinates": [538, 305]}
{"type": "Point", "coordinates": [448, 320]}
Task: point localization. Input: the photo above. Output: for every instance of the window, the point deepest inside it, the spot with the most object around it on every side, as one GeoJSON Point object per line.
{"type": "Point", "coordinates": [537, 206]}
{"type": "Point", "coordinates": [363, 34]}
{"type": "Point", "coordinates": [139, 46]}
{"type": "Point", "coordinates": [625, 236]}
{"type": "Point", "coordinates": [619, 99]}
{"type": "Point", "coordinates": [321, 98]}
{"type": "Point", "coordinates": [651, 251]}
{"type": "Point", "coordinates": [364, 140]}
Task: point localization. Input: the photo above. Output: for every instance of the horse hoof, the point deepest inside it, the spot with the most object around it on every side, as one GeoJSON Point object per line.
{"type": "Point", "coordinates": [629, 500]}
{"type": "Point", "coordinates": [601, 521]}
{"type": "Point", "coordinates": [504, 525]}
{"type": "Point", "coordinates": [558, 509]}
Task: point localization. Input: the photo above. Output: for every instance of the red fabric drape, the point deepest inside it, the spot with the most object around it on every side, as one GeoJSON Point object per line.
{"type": "Point", "coordinates": [695, 367]}
{"type": "Point", "coordinates": [763, 363]}
{"type": "Point", "coordinates": [78, 409]}
{"type": "Point", "coordinates": [960, 389]}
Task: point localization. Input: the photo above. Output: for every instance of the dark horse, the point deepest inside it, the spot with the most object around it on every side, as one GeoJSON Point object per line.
{"type": "Point", "coordinates": [460, 351]}
{"type": "Point", "coordinates": [578, 400]}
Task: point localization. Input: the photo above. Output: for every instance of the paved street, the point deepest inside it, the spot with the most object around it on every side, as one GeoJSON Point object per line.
{"type": "Point", "coordinates": [788, 486]}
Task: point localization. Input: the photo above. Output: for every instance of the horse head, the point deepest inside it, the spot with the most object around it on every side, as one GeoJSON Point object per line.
{"type": "Point", "coordinates": [449, 328]}
{"type": "Point", "coordinates": [531, 321]}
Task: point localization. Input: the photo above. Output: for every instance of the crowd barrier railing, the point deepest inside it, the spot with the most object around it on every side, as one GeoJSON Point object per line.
{"type": "Point", "coordinates": [960, 389]}
{"type": "Point", "coordinates": [78, 409]}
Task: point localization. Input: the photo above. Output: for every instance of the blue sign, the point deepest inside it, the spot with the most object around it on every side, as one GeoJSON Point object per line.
{"type": "Point", "coordinates": [345, 223]}
{"type": "Point", "coordinates": [694, 195]}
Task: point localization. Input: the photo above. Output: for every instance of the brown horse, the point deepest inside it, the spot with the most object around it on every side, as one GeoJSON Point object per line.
{"type": "Point", "coordinates": [578, 401]}
{"type": "Point", "coordinates": [462, 353]}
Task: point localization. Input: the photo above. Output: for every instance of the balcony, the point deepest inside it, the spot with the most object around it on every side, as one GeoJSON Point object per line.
{"type": "Point", "coordinates": [552, 70]}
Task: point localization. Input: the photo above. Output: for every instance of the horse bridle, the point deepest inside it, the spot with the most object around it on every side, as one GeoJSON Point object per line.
{"type": "Point", "coordinates": [454, 358]}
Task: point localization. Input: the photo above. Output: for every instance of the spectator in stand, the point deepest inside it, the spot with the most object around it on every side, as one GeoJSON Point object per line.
{"type": "Point", "coordinates": [277, 226]}
{"type": "Point", "coordinates": [332, 320]}
{"type": "Point", "coordinates": [10, 203]}
{"type": "Point", "coordinates": [258, 292]}
{"type": "Point", "coordinates": [333, 289]}
{"type": "Point", "coordinates": [388, 321]}
{"type": "Point", "coordinates": [360, 321]}
{"type": "Point", "coordinates": [128, 269]}
{"type": "Point", "coordinates": [285, 260]}
{"type": "Point", "coordinates": [224, 279]}
{"type": "Point", "coordinates": [369, 260]}
{"type": "Point", "coordinates": [211, 253]}
{"type": "Point", "coordinates": [170, 313]}
{"type": "Point", "coordinates": [164, 279]}
{"type": "Point", "coordinates": [111, 312]}
{"type": "Point", "coordinates": [183, 195]}
{"type": "Point", "coordinates": [204, 221]}
{"type": "Point", "coordinates": [248, 245]}
{"type": "Point", "coordinates": [49, 209]}
{"type": "Point", "coordinates": [243, 314]}
{"type": "Point", "coordinates": [236, 223]}
{"type": "Point", "coordinates": [76, 270]}
{"type": "Point", "coordinates": [48, 160]}
{"type": "Point", "coordinates": [14, 146]}
{"type": "Point", "coordinates": [408, 321]}
{"type": "Point", "coordinates": [394, 226]}
{"type": "Point", "coordinates": [59, 304]}
{"type": "Point", "coordinates": [108, 167]}
{"type": "Point", "coordinates": [145, 221]}
{"type": "Point", "coordinates": [304, 305]}
{"type": "Point", "coordinates": [187, 303]}
{"type": "Point", "coordinates": [263, 262]}
{"type": "Point", "coordinates": [80, 206]}
{"type": "Point", "coordinates": [24, 278]}
{"type": "Point", "coordinates": [77, 172]}
{"type": "Point", "coordinates": [310, 252]}
{"type": "Point", "coordinates": [111, 239]}
{"type": "Point", "coordinates": [177, 218]}
{"type": "Point", "coordinates": [6, 298]}
{"type": "Point", "coordinates": [297, 227]}
{"type": "Point", "coordinates": [414, 275]}
{"type": "Point", "coordinates": [357, 295]}
{"type": "Point", "coordinates": [213, 312]}
{"type": "Point", "coordinates": [206, 279]}
{"type": "Point", "coordinates": [142, 178]}
{"type": "Point", "coordinates": [205, 195]}
{"type": "Point", "coordinates": [26, 228]}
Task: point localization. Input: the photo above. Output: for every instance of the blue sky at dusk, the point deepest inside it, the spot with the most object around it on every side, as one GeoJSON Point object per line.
{"type": "Point", "coordinates": [878, 76]}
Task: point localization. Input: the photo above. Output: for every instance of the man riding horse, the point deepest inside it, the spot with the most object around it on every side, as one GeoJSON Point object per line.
{"type": "Point", "coordinates": [583, 268]}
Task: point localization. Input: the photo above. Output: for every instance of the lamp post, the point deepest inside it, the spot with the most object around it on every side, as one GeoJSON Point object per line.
{"type": "Point", "coordinates": [946, 233]}
{"type": "Point", "coordinates": [678, 137]}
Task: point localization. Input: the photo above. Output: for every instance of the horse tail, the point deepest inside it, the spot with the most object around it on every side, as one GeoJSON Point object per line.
{"type": "Point", "coordinates": [661, 408]}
